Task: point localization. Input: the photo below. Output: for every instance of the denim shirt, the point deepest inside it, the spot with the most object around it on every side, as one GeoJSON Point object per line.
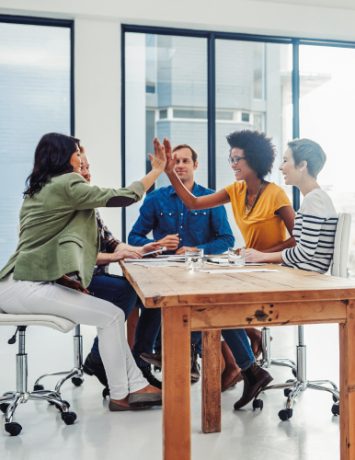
{"type": "Point", "coordinates": [164, 213]}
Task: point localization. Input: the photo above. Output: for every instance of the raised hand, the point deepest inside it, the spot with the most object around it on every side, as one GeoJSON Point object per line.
{"type": "Point", "coordinates": [170, 160]}
{"type": "Point", "coordinates": [158, 160]}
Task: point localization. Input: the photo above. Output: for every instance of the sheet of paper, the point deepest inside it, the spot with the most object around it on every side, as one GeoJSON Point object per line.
{"type": "Point", "coordinates": [239, 270]}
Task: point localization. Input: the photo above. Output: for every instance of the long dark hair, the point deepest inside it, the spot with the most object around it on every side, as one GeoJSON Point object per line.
{"type": "Point", "coordinates": [52, 158]}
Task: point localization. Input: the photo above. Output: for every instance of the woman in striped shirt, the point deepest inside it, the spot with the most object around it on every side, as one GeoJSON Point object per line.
{"type": "Point", "coordinates": [316, 220]}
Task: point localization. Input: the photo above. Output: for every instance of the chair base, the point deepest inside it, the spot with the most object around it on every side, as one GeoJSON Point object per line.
{"type": "Point", "coordinates": [76, 374]}
{"type": "Point", "coordinates": [293, 388]}
{"type": "Point", "coordinates": [10, 401]}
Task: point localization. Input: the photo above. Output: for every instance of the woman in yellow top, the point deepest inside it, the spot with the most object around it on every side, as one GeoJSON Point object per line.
{"type": "Point", "coordinates": [263, 213]}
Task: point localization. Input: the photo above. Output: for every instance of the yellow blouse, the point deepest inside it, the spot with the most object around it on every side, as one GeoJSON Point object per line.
{"type": "Point", "coordinates": [260, 227]}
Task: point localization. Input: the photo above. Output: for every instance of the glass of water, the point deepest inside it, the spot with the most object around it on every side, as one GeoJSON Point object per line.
{"type": "Point", "coordinates": [194, 259]}
{"type": "Point", "coordinates": [236, 256]}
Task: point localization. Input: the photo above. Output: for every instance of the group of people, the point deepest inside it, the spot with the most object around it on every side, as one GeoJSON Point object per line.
{"type": "Point", "coordinates": [60, 264]}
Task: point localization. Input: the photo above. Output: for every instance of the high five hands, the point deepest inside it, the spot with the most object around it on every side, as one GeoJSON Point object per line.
{"type": "Point", "coordinates": [170, 160]}
{"type": "Point", "coordinates": [158, 160]}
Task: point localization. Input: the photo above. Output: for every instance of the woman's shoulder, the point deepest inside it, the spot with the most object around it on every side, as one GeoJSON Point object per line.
{"type": "Point", "coordinates": [235, 187]}
{"type": "Point", "coordinates": [277, 192]}
{"type": "Point", "coordinates": [318, 203]}
{"type": "Point", "coordinates": [67, 178]}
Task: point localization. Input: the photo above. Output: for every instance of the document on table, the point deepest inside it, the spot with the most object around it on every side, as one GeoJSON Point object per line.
{"type": "Point", "coordinates": [239, 270]}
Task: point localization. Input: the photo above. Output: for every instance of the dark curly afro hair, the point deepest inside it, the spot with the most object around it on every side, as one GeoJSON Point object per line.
{"type": "Point", "coordinates": [258, 150]}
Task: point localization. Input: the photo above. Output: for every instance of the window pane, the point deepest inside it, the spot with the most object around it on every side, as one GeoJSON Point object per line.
{"type": "Point", "coordinates": [326, 116]}
{"type": "Point", "coordinates": [165, 96]}
{"type": "Point", "coordinates": [34, 99]}
{"type": "Point", "coordinates": [253, 83]}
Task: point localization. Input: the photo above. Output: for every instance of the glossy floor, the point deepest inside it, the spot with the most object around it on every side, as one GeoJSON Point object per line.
{"type": "Point", "coordinates": [312, 433]}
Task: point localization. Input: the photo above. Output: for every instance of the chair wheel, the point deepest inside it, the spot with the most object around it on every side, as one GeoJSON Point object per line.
{"type": "Point", "coordinates": [287, 391]}
{"type": "Point", "coordinates": [38, 387]}
{"type": "Point", "coordinates": [335, 409]}
{"type": "Point", "coordinates": [77, 381]}
{"type": "Point", "coordinates": [68, 417]}
{"type": "Point", "coordinates": [13, 428]}
{"type": "Point", "coordinates": [258, 404]}
{"type": "Point", "coordinates": [105, 392]}
{"type": "Point", "coordinates": [157, 369]}
{"type": "Point", "coordinates": [285, 414]}
{"type": "Point", "coordinates": [3, 407]}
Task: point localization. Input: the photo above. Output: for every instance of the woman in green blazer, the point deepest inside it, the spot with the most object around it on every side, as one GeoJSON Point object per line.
{"type": "Point", "coordinates": [58, 243]}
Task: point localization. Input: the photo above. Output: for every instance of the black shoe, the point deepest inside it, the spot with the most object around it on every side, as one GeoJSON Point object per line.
{"type": "Point", "coordinates": [255, 378]}
{"type": "Point", "coordinates": [156, 360]}
{"type": "Point", "coordinates": [94, 366]}
{"type": "Point", "coordinates": [152, 358]}
{"type": "Point", "coordinates": [147, 373]}
{"type": "Point", "coordinates": [195, 367]}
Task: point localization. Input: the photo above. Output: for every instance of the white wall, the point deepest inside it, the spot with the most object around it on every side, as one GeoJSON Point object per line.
{"type": "Point", "coordinates": [97, 51]}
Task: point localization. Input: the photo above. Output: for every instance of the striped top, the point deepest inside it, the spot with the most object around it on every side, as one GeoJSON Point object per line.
{"type": "Point", "coordinates": [314, 232]}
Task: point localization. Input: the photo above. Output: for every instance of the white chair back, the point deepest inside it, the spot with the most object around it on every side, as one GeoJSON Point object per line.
{"type": "Point", "coordinates": [339, 265]}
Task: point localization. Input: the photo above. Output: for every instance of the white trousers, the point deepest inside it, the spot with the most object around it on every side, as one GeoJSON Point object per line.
{"type": "Point", "coordinates": [27, 297]}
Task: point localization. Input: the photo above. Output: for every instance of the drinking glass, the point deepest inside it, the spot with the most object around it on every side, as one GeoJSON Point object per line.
{"type": "Point", "coordinates": [236, 256]}
{"type": "Point", "coordinates": [194, 260]}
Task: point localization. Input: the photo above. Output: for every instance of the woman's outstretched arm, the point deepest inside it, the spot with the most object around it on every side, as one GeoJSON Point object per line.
{"type": "Point", "coordinates": [191, 201]}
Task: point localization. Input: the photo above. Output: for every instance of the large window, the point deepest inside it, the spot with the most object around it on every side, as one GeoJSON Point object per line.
{"type": "Point", "coordinates": [196, 87]}
{"type": "Point", "coordinates": [165, 96]}
{"type": "Point", "coordinates": [327, 115]}
{"type": "Point", "coordinates": [253, 86]}
{"type": "Point", "coordinates": [35, 95]}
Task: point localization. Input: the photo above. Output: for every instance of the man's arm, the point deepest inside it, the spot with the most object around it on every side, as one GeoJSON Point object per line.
{"type": "Point", "coordinates": [145, 223]}
{"type": "Point", "coordinates": [221, 233]}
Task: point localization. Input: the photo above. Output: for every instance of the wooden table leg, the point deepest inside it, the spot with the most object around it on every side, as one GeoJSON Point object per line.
{"type": "Point", "coordinates": [211, 381]}
{"type": "Point", "coordinates": [176, 383]}
{"type": "Point", "coordinates": [347, 385]}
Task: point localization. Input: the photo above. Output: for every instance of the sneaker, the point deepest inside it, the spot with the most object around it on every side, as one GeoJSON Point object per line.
{"type": "Point", "coordinates": [93, 366]}
{"type": "Point", "coordinates": [147, 373]}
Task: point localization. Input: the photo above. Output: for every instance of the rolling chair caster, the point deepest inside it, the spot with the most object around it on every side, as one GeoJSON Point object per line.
{"type": "Point", "coordinates": [285, 414]}
{"type": "Point", "coordinates": [105, 392]}
{"type": "Point", "coordinates": [13, 428]}
{"type": "Point", "coordinates": [3, 407]}
{"type": "Point", "coordinates": [68, 417]}
{"type": "Point", "coordinates": [77, 381]}
{"type": "Point", "coordinates": [258, 404]}
{"type": "Point", "coordinates": [335, 409]}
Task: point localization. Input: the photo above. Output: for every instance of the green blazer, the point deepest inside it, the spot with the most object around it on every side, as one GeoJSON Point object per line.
{"type": "Point", "coordinates": [58, 233]}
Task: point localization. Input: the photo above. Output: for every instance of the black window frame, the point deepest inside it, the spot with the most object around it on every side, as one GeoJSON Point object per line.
{"type": "Point", "coordinates": [211, 37]}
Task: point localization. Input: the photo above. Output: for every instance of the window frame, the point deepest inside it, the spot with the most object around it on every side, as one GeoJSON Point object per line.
{"type": "Point", "coordinates": [211, 37]}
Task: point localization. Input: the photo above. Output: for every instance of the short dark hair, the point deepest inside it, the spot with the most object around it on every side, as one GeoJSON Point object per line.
{"type": "Point", "coordinates": [186, 146]}
{"type": "Point", "coordinates": [258, 150]}
{"type": "Point", "coordinates": [52, 158]}
{"type": "Point", "coordinates": [309, 151]}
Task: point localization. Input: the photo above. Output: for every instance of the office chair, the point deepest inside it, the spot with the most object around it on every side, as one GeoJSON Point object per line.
{"type": "Point", "coordinates": [12, 399]}
{"type": "Point", "coordinates": [292, 388]}
{"type": "Point", "coordinates": [75, 374]}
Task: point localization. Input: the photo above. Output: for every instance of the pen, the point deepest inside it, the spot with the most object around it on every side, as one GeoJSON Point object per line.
{"type": "Point", "coordinates": [163, 248]}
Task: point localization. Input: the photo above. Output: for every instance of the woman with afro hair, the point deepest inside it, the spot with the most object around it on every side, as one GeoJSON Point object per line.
{"type": "Point", "coordinates": [263, 214]}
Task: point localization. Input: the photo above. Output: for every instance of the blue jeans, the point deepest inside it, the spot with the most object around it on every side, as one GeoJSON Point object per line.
{"type": "Point", "coordinates": [238, 342]}
{"type": "Point", "coordinates": [115, 289]}
{"type": "Point", "coordinates": [148, 334]}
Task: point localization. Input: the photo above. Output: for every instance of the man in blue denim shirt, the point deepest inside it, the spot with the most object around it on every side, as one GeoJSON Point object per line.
{"type": "Point", "coordinates": [178, 229]}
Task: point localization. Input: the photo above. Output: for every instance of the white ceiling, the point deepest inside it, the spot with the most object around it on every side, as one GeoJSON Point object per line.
{"type": "Point", "coordinates": [346, 4]}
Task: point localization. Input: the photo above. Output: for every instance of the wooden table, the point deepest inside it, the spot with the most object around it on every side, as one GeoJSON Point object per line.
{"type": "Point", "coordinates": [212, 301]}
